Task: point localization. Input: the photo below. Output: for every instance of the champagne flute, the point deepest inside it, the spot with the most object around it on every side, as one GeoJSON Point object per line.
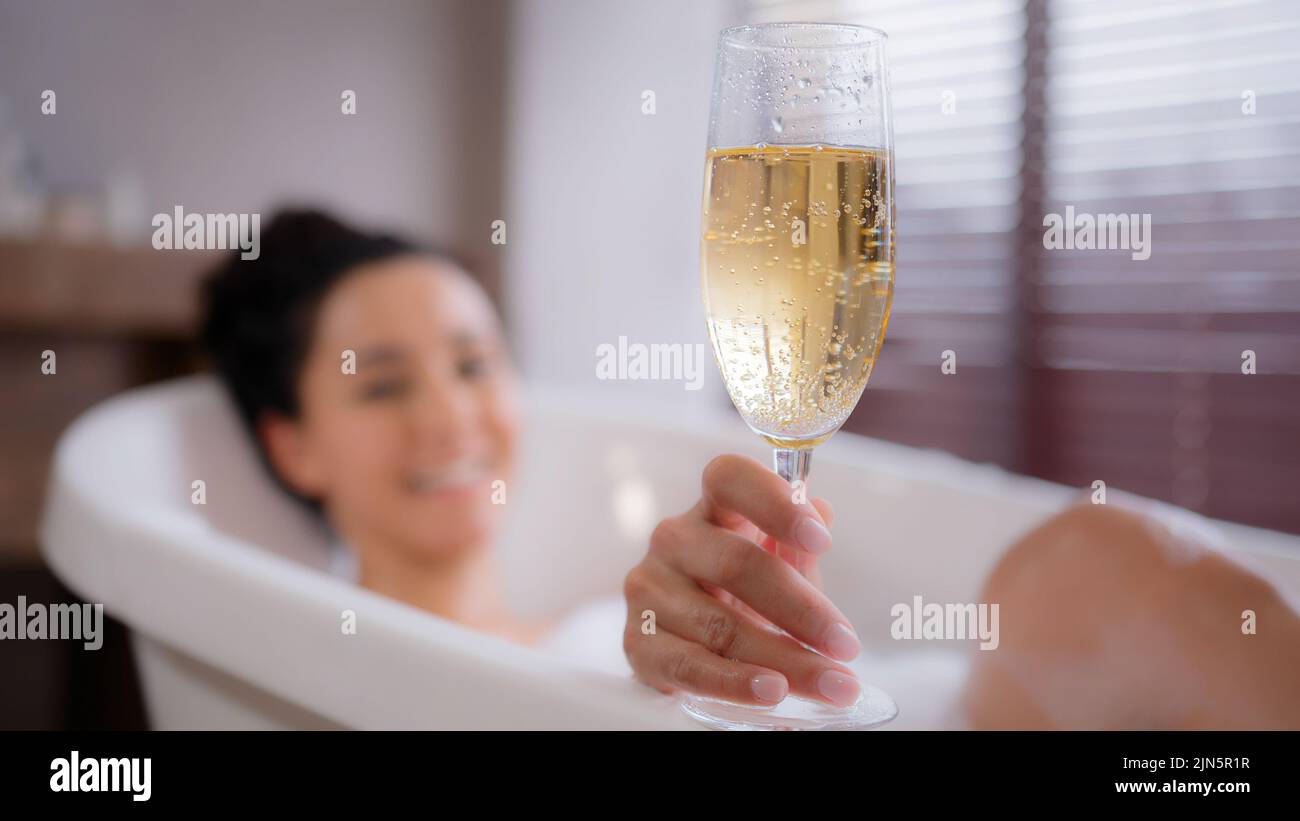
{"type": "Point", "coordinates": [798, 262]}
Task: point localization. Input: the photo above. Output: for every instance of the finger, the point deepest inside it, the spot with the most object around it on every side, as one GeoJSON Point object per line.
{"type": "Point", "coordinates": [797, 557]}
{"type": "Point", "coordinates": [698, 617]}
{"type": "Point", "coordinates": [668, 663]}
{"type": "Point", "coordinates": [737, 486]}
{"type": "Point", "coordinates": [715, 556]}
{"type": "Point", "coordinates": [800, 559]}
{"type": "Point", "coordinates": [824, 508]}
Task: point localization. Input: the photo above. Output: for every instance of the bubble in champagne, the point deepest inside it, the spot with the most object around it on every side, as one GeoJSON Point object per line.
{"type": "Point", "coordinates": [809, 298]}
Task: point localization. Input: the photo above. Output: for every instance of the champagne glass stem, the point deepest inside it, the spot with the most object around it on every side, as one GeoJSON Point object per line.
{"type": "Point", "coordinates": [792, 465]}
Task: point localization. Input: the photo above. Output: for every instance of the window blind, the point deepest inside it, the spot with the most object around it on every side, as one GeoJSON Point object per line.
{"type": "Point", "coordinates": [957, 71]}
{"type": "Point", "coordinates": [1080, 364]}
{"type": "Point", "coordinates": [1186, 110]}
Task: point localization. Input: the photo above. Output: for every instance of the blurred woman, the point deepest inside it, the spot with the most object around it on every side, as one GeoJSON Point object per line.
{"type": "Point", "coordinates": [399, 453]}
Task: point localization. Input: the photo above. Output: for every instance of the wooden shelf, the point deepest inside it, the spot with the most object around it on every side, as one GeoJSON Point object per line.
{"type": "Point", "coordinates": [100, 289]}
{"type": "Point", "coordinates": [116, 318]}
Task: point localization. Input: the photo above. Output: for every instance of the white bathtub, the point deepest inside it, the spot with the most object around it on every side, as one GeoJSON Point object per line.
{"type": "Point", "coordinates": [236, 619]}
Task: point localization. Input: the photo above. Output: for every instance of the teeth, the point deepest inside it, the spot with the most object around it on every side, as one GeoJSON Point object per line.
{"type": "Point", "coordinates": [456, 474]}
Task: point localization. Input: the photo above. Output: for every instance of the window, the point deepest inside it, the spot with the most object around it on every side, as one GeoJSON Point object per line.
{"type": "Point", "coordinates": [1085, 365]}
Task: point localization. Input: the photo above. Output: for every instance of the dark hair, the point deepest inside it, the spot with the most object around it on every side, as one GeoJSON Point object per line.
{"type": "Point", "coordinates": [259, 314]}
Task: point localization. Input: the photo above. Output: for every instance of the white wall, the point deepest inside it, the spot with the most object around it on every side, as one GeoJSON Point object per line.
{"type": "Point", "coordinates": [603, 201]}
{"type": "Point", "coordinates": [234, 105]}
{"type": "Point", "coordinates": [467, 111]}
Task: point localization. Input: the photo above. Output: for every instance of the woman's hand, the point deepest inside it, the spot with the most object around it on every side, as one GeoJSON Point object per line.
{"type": "Point", "coordinates": [721, 577]}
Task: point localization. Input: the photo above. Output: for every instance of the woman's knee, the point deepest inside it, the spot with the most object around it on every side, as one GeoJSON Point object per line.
{"type": "Point", "coordinates": [1142, 608]}
{"type": "Point", "coordinates": [1061, 557]}
{"type": "Point", "coordinates": [1108, 551]}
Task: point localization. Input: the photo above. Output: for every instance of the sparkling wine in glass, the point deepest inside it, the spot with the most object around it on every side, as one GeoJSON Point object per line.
{"type": "Point", "coordinates": [798, 261]}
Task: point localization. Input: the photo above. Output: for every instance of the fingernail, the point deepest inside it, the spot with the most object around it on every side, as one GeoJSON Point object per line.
{"type": "Point", "coordinates": [812, 536]}
{"type": "Point", "coordinates": [841, 642]}
{"type": "Point", "coordinates": [839, 689]}
{"type": "Point", "coordinates": [768, 687]}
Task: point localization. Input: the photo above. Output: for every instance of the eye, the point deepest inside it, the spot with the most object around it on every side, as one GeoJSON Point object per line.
{"type": "Point", "coordinates": [472, 366]}
{"type": "Point", "coordinates": [384, 389]}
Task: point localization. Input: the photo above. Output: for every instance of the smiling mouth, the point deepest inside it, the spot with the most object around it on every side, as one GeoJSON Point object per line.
{"type": "Point", "coordinates": [459, 475]}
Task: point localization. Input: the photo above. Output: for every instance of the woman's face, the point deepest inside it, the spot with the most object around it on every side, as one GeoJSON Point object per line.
{"type": "Point", "coordinates": [406, 451]}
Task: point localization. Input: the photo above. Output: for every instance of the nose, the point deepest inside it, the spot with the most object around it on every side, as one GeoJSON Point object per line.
{"type": "Point", "coordinates": [446, 415]}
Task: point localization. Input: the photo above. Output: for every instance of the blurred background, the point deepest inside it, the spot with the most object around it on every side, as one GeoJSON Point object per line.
{"type": "Point", "coordinates": [1073, 366]}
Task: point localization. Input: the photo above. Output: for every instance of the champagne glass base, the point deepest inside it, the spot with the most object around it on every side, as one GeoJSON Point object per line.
{"type": "Point", "coordinates": [873, 708]}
